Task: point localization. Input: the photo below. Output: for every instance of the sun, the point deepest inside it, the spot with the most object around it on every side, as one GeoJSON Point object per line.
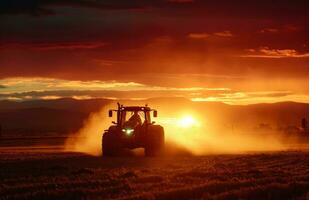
{"type": "Point", "coordinates": [187, 121]}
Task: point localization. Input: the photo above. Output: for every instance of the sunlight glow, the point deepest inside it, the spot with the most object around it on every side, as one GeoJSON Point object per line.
{"type": "Point", "coordinates": [187, 121]}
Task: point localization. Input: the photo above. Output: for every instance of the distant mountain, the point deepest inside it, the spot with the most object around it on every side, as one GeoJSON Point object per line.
{"type": "Point", "coordinates": [67, 115]}
{"type": "Point", "coordinates": [34, 120]}
{"type": "Point", "coordinates": [86, 106]}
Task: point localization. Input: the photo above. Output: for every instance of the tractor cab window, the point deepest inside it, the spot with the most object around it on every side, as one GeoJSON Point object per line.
{"type": "Point", "coordinates": [137, 117]}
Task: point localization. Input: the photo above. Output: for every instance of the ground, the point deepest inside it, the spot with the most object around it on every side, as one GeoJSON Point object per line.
{"type": "Point", "coordinates": [51, 174]}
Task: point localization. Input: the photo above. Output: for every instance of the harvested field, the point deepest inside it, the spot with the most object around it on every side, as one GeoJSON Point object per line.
{"type": "Point", "coordinates": [43, 174]}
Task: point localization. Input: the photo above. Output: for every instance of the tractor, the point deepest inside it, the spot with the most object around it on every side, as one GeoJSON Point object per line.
{"type": "Point", "coordinates": [133, 129]}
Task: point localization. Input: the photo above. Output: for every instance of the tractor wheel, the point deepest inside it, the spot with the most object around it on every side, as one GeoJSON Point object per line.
{"type": "Point", "coordinates": [154, 141]}
{"type": "Point", "coordinates": [110, 145]}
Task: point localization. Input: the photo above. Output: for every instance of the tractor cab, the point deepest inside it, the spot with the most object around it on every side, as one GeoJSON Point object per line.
{"type": "Point", "coordinates": [133, 115]}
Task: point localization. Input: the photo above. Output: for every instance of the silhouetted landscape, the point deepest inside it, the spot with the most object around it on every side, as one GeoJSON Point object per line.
{"type": "Point", "coordinates": [66, 116]}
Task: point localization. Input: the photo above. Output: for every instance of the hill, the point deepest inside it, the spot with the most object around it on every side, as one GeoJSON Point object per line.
{"type": "Point", "coordinates": [67, 115]}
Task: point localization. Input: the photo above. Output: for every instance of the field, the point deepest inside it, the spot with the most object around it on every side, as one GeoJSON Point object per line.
{"type": "Point", "coordinates": [50, 173]}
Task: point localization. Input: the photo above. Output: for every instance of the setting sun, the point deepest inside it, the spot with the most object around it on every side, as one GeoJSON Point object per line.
{"type": "Point", "coordinates": [187, 121]}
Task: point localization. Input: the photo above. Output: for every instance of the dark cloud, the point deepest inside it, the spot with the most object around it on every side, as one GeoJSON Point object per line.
{"type": "Point", "coordinates": [103, 94]}
{"type": "Point", "coordinates": [2, 87]}
{"type": "Point", "coordinates": [224, 96]}
{"type": "Point", "coordinates": [46, 7]}
{"type": "Point", "coordinates": [262, 8]}
{"type": "Point", "coordinates": [126, 39]}
{"type": "Point", "coordinates": [32, 7]}
{"type": "Point", "coordinates": [270, 94]}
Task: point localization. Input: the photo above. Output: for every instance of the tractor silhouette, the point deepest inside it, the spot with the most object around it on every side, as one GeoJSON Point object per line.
{"type": "Point", "coordinates": [133, 129]}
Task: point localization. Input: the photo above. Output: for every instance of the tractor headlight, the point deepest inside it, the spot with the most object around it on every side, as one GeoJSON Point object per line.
{"type": "Point", "coordinates": [128, 131]}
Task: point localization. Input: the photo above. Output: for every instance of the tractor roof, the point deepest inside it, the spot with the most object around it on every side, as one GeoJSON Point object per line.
{"type": "Point", "coordinates": [135, 108]}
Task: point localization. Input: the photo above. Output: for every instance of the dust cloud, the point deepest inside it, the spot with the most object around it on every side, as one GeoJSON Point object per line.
{"type": "Point", "coordinates": [183, 133]}
{"type": "Point", "coordinates": [89, 138]}
{"type": "Point", "coordinates": [205, 138]}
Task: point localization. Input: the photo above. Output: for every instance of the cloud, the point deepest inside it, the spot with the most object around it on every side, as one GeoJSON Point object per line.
{"type": "Point", "coordinates": [224, 34]}
{"type": "Point", "coordinates": [112, 94]}
{"type": "Point", "coordinates": [224, 95]}
{"type": "Point", "coordinates": [31, 7]}
{"type": "Point", "coordinates": [46, 88]}
{"type": "Point", "coordinates": [269, 30]}
{"type": "Point", "coordinates": [20, 85]}
{"type": "Point", "coordinates": [2, 86]}
{"type": "Point", "coordinates": [50, 97]}
{"type": "Point", "coordinates": [288, 28]}
{"type": "Point", "coordinates": [41, 8]}
{"type": "Point", "coordinates": [198, 35]}
{"type": "Point", "coordinates": [241, 97]}
{"type": "Point", "coordinates": [292, 28]}
{"type": "Point", "coordinates": [204, 35]}
{"type": "Point", "coordinates": [181, 1]}
{"type": "Point", "coordinates": [70, 46]}
{"type": "Point", "coordinates": [109, 62]}
{"type": "Point", "coordinates": [266, 52]}
{"type": "Point", "coordinates": [56, 45]}
{"type": "Point", "coordinates": [226, 7]}
{"type": "Point", "coordinates": [269, 93]}
{"type": "Point", "coordinates": [46, 84]}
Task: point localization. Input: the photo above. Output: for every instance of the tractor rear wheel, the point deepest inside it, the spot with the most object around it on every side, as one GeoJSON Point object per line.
{"type": "Point", "coordinates": [155, 141]}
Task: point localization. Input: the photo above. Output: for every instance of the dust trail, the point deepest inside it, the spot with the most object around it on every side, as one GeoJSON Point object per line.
{"type": "Point", "coordinates": [197, 137]}
{"type": "Point", "coordinates": [205, 141]}
{"type": "Point", "coordinates": [203, 138]}
{"type": "Point", "coordinates": [89, 138]}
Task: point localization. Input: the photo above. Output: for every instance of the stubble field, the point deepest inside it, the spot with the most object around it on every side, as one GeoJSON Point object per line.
{"type": "Point", "coordinates": [43, 173]}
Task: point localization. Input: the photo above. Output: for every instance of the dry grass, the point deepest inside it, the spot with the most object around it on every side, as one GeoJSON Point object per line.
{"type": "Point", "coordinates": [39, 175]}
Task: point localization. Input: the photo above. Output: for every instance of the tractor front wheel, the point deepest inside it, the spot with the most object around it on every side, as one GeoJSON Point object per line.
{"type": "Point", "coordinates": [109, 144]}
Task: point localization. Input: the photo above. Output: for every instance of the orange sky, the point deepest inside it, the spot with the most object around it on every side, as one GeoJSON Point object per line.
{"type": "Point", "coordinates": [232, 51]}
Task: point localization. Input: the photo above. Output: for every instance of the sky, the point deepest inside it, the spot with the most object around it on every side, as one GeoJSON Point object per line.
{"type": "Point", "coordinates": [237, 52]}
